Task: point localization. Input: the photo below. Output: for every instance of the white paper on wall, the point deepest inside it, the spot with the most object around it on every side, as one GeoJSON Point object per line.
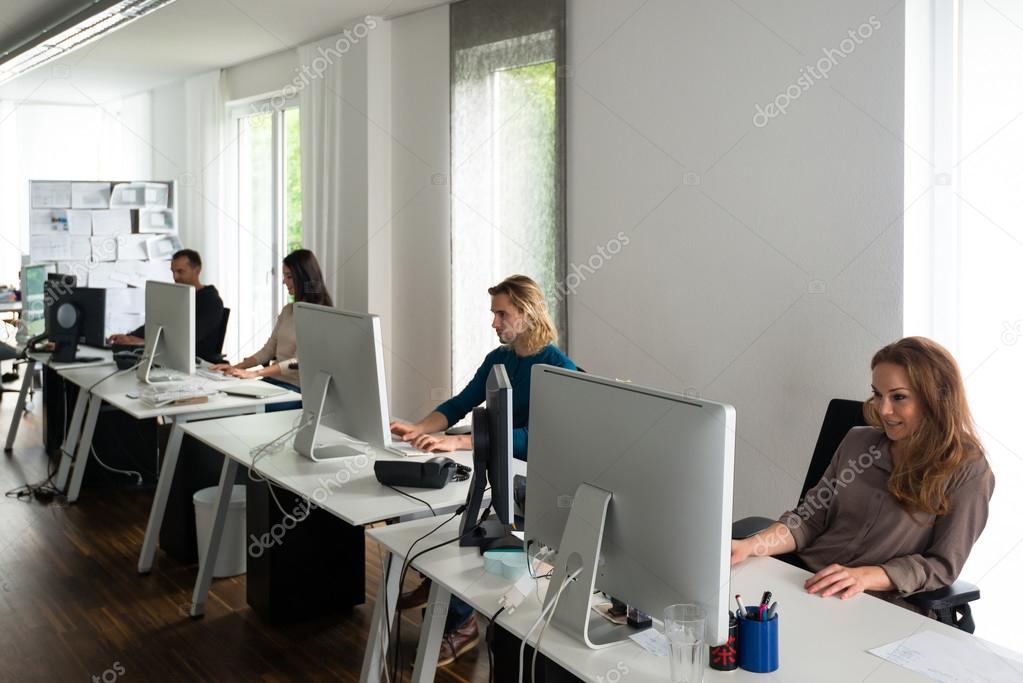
{"type": "Point", "coordinates": [158, 221]}
{"type": "Point", "coordinates": [162, 248]}
{"type": "Point", "coordinates": [90, 195]}
{"type": "Point", "coordinates": [49, 248]}
{"type": "Point", "coordinates": [126, 301]}
{"type": "Point", "coordinates": [51, 195]}
{"type": "Point", "coordinates": [156, 270]}
{"type": "Point", "coordinates": [48, 221]}
{"type": "Point", "coordinates": [132, 247]}
{"type": "Point", "coordinates": [100, 275]}
{"type": "Point", "coordinates": [79, 248]}
{"type": "Point", "coordinates": [122, 323]}
{"type": "Point", "coordinates": [80, 269]}
{"type": "Point", "coordinates": [79, 222]}
{"type": "Point", "coordinates": [104, 248]}
{"type": "Point", "coordinates": [111, 222]}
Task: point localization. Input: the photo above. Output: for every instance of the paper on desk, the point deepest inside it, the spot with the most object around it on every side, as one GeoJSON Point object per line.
{"type": "Point", "coordinates": [651, 640]}
{"type": "Point", "coordinates": [951, 660]}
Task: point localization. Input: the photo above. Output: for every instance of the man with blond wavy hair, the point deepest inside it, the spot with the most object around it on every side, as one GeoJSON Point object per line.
{"type": "Point", "coordinates": [528, 337]}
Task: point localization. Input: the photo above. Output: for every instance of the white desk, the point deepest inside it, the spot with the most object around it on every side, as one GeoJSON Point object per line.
{"type": "Point", "coordinates": [106, 360]}
{"type": "Point", "coordinates": [346, 488]}
{"type": "Point", "coordinates": [821, 639]}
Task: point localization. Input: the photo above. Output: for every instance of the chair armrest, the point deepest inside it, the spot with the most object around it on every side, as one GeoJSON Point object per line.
{"type": "Point", "coordinates": [748, 526]}
{"type": "Point", "coordinates": [959, 593]}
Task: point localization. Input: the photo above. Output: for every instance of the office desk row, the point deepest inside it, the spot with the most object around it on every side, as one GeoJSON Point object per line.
{"type": "Point", "coordinates": [821, 639]}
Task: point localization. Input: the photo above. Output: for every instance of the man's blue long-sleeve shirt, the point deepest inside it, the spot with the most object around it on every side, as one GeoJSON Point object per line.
{"type": "Point", "coordinates": [519, 371]}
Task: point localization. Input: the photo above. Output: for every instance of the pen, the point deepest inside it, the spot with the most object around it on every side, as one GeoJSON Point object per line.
{"type": "Point", "coordinates": [771, 612]}
{"type": "Point", "coordinates": [742, 607]}
{"type": "Point", "coordinates": [766, 598]}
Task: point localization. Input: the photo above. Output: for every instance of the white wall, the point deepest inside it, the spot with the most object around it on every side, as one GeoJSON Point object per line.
{"type": "Point", "coordinates": [764, 264]}
{"type": "Point", "coordinates": [420, 227]}
{"type": "Point", "coordinates": [261, 76]}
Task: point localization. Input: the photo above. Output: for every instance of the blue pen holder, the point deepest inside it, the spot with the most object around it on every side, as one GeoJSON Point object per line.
{"type": "Point", "coordinates": [758, 643]}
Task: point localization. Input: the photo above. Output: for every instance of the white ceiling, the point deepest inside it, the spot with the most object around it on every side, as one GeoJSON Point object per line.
{"type": "Point", "coordinates": [180, 40]}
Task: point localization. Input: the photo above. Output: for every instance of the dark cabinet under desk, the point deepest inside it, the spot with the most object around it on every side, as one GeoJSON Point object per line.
{"type": "Point", "coordinates": [300, 570]}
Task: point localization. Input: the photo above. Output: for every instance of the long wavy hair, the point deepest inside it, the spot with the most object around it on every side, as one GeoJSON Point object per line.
{"type": "Point", "coordinates": [946, 437]}
{"type": "Point", "coordinates": [308, 278]}
{"type": "Point", "coordinates": [525, 295]}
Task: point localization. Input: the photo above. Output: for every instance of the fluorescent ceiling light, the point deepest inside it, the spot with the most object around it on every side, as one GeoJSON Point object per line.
{"type": "Point", "coordinates": [103, 17]}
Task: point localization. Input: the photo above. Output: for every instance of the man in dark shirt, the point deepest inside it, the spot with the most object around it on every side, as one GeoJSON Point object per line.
{"type": "Point", "coordinates": [186, 265]}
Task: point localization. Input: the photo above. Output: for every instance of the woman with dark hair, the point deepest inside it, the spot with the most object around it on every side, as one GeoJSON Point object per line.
{"type": "Point", "coordinates": [304, 280]}
{"type": "Point", "coordinates": [903, 500]}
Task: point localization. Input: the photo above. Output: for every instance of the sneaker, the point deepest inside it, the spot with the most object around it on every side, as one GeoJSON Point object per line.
{"type": "Point", "coordinates": [458, 642]}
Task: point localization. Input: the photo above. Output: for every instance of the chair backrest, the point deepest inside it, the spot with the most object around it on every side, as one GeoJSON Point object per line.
{"type": "Point", "coordinates": [841, 416]}
{"type": "Point", "coordinates": [222, 332]}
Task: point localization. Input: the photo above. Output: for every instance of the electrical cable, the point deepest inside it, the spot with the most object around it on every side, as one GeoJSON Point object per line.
{"type": "Point", "coordinates": [489, 637]}
{"type": "Point", "coordinates": [137, 475]}
{"type": "Point", "coordinates": [410, 496]}
{"type": "Point", "coordinates": [549, 609]}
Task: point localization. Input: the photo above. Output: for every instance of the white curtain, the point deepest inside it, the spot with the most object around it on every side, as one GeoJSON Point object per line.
{"type": "Point", "coordinates": [11, 247]}
{"type": "Point", "coordinates": [321, 110]}
{"type": "Point", "coordinates": [206, 221]}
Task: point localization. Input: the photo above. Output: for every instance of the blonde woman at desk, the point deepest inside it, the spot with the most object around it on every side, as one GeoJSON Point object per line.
{"type": "Point", "coordinates": [304, 281]}
{"type": "Point", "coordinates": [906, 522]}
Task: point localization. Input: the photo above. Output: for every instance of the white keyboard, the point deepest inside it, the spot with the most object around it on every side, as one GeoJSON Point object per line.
{"type": "Point", "coordinates": [214, 375]}
{"type": "Point", "coordinates": [405, 450]}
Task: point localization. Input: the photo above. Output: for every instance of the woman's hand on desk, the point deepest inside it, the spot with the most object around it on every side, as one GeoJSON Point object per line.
{"type": "Point", "coordinates": [220, 367]}
{"type": "Point", "coordinates": [243, 374]}
{"type": "Point", "coordinates": [845, 582]}
{"type": "Point", "coordinates": [741, 550]}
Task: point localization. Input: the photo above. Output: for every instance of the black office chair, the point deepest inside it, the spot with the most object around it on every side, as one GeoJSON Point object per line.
{"type": "Point", "coordinates": [949, 604]}
{"type": "Point", "coordinates": [222, 334]}
{"type": "Point", "coordinates": [8, 353]}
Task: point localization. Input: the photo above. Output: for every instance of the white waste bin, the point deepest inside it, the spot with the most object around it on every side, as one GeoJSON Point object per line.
{"type": "Point", "coordinates": [232, 553]}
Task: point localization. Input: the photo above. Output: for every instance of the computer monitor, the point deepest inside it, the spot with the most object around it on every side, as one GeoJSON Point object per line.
{"type": "Point", "coordinates": [75, 315]}
{"type": "Point", "coordinates": [170, 331]}
{"type": "Point", "coordinates": [33, 308]}
{"type": "Point", "coordinates": [343, 390]}
{"type": "Point", "coordinates": [633, 485]}
{"type": "Point", "coordinates": [491, 456]}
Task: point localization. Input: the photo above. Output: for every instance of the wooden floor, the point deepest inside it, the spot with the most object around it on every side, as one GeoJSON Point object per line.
{"type": "Point", "coordinates": [72, 606]}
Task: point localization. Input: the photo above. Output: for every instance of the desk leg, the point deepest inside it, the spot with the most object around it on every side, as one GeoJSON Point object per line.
{"type": "Point", "coordinates": [19, 408]}
{"type": "Point", "coordinates": [380, 625]}
{"type": "Point", "coordinates": [431, 634]}
{"type": "Point", "coordinates": [84, 445]}
{"type": "Point", "coordinates": [67, 449]}
{"type": "Point", "coordinates": [163, 486]}
{"type": "Point", "coordinates": [202, 582]}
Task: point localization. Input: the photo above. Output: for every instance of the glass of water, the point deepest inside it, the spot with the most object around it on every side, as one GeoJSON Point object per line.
{"type": "Point", "coordinates": [684, 627]}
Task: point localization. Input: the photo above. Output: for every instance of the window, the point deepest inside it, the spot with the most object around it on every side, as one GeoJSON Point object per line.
{"type": "Point", "coordinates": [963, 246]}
{"type": "Point", "coordinates": [507, 163]}
{"type": "Point", "coordinates": [269, 195]}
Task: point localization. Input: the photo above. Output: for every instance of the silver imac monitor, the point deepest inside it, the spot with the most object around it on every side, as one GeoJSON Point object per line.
{"type": "Point", "coordinates": [634, 486]}
{"type": "Point", "coordinates": [344, 395]}
{"type": "Point", "coordinates": [170, 332]}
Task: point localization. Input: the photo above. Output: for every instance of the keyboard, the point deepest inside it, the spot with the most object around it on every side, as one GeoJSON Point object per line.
{"type": "Point", "coordinates": [214, 375]}
{"type": "Point", "coordinates": [405, 450]}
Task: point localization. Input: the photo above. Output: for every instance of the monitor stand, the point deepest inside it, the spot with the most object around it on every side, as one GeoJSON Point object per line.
{"type": "Point", "coordinates": [305, 440]}
{"type": "Point", "coordinates": [580, 547]}
{"type": "Point", "coordinates": [143, 370]}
